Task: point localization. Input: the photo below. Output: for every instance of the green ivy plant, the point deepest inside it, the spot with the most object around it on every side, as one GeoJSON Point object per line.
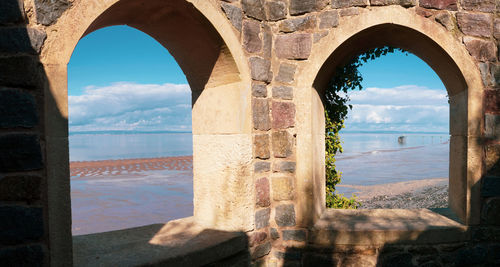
{"type": "Point", "coordinates": [347, 78]}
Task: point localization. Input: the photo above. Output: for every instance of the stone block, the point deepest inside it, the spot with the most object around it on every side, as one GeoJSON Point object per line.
{"type": "Point", "coordinates": [20, 188]}
{"type": "Point", "coordinates": [495, 74]}
{"type": "Point", "coordinates": [439, 4]}
{"type": "Point", "coordinates": [446, 19]}
{"type": "Point", "coordinates": [424, 12]}
{"type": "Point", "coordinates": [262, 166]}
{"type": "Point", "coordinates": [313, 260]}
{"type": "Point", "coordinates": [47, 12]}
{"type": "Point", "coordinates": [275, 10]}
{"type": "Point", "coordinates": [268, 41]}
{"type": "Point", "coordinates": [293, 46]}
{"type": "Point", "coordinates": [283, 114]}
{"type": "Point", "coordinates": [22, 256]}
{"type": "Point", "coordinates": [298, 7]}
{"type": "Point", "coordinates": [21, 40]}
{"type": "Point", "coordinates": [284, 166]}
{"type": "Point", "coordinates": [261, 146]}
{"type": "Point", "coordinates": [234, 14]}
{"type": "Point", "coordinates": [496, 28]}
{"type": "Point", "coordinates": [319, 35]}
{"type": "Point", "coordinates": [257, 238]}
{"type": "Point", "coordinates": [260, 69]}
{"type": "Point", "coordinates": [295, 235]}
{"type": "Point", "coordinates": [298, 24]}
{"type": "Point", "coordinates": [254, 9]}
{"type": "Point", "coordinates": [283, 92]}
{"type": "Point", "coordinates": [262, 189]}
{"type": "Point", "coordinates": [478, 5]}
{"type": "Point", "coordinates": [481, 50]}
{"type": "Point", "coordinates": [283, 188]}
{"type": "Point", "coordinates": [349, 3]}
{"type": "Point", "coordinates": [350, 11]}
{"type": "Point", "coordinates": [491, 187]}
{"type": "Point", "coordinates": [20, 224]}
{"type": "Point", "coordinates": [20, 152]}
{"type": "Point", "coordinates": [259, 90]}
{"type": "Point", "coordinates": [260, 109]}
{"type": "Point", "coordinates": [491, 211]}
{"type": "Point", "coordinates": [329, 19]}
{"type": "Point", "coordinates": [290, 254]}
{"type": "Point", "coordinates": [285, 215]}
{"type": "Point", "coordinates": [262, 218]}
{"type": "Point", "coordinates": [251, 36]}
{"type": "Point", "coordinates": [12, 11]}
{"type": "Point", "coordinates": [274, 233]}
{"type": "Point", "coordinates": [475, 24]}
{"type": "Point", "coordinates": [17, 109]}
{"type": "Point", "coordinates": [286, 73]}
{"type": "Point", "coordinates": [261, 251]}
{"type": "Point", "coordinates": [282, 144]}
{"type": "Point", "coordinates": [485, 73]}
{"type": "Point", "coordinates": [19, 71]}
{"type": "Point", "coordinates": [492, 126]}
{"type": "Point", "coordinates": [404, 3]}
{"type": "Point", "coordinates": [492, 101]}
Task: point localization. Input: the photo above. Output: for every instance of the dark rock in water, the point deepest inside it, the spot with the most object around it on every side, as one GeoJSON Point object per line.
{"type": "Point", "coordinates": [402, 139]}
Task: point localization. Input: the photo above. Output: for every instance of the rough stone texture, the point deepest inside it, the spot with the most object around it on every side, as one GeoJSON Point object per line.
{"type": "Point", "coordinates": [20, 188]}
{"type": "Point", "coordinates": [21, 39]}
{"type": "Point", "coordinates": [268, 41]}
{"type": "Point", "coordinates": [495, 74]}
{"type": "Point", "coordinates": [284, 166]}
{"type": "Point", "coordinates": [262, 190]}
{"type": "Point", "coordinates": [12, 12]}
{"type": "Point", "coordinates": [19, 71]}
{"type": "Point", "coordinates": [20, 224]}
{"type": "Point", "coordinates": [257, 238]}
{"type": "Point", "coordinates": [261, 166]}
{"type": "Point", "coordinates": [493, 159]}
{"type": "Point", "coordinates": [293, 46]}
{"type": "Point", "coordinates": [275, 10]}
{"type": "Point", "coordinates": [254, 9]}
{"type": "Point", "coordinates": [491, 211]}
{"type": "Point", "coordinates": [260, 69]}
{"type": "Point", "coordinates": [274, 233]}
{"type": "Point", "coordinates": [496, 28]}
{"type": "Point", "coordinates": [261, 145]}
{"type": "Point", "coordinates": [319, 35]}
{"type": "Point", "coordinates": [478, 5]}
{"type": "Point", "coordinates": [349, 3]}
{"type": "Point", "coordinates": [17, 109]}
{"type": "Point", "coordinates": [251, 38]}
{"type": "Point", "coordinates": [283, 114]}
{"type": "Point", "coordinates": [234, 14]}
{"type": "Point", "coordinates": [285, 215]}
{"type": "Point", "coordinates": [262, 218]}
{"type": "Point", "coordinates": [47, 12]}
{"type": "Point", "coordinates": [259, 90]}
{"type": "Point", "coordinates": [261, 251]}
{"type": "Point", "coordinates": [282, 144]}
{"type": "Point", "coordinates": [492, 126]}
{"type": "Point", "coordinates": [445, 19]}
{"type": "Point", "coordinates": [298, 24]}
{"type": "Point", "coordinates": [424, 12]}
{"type": "Point", "coordinates": [439, 4]}
{"type": "Point", "coordinates": [22, 256]}
{"type": "Point", "coordinates": [283, 92]}
{"type": "Point", "coordinates": [282, 188]}
{"type": "Point", "coordinates": [490, 186]}
{"type": "Point", "coordinates": [260, 111]}
{"type": "Point", "coordinates": [20, 152]}
{"type": "Point", "coordinates": [313, 259]}
{"type": "Point", "coordinates": [328, 19]}
{"type": "Point", "coordinates": [475, 24]}
{"type": "Point", "coordinates": [298, 7]}
{"type": "Point", "coordinates": [295, 235]}
{"type": "Point", "coordinates": [405, 3]}
{"type": "Point", "coordinates": [351, 11]}
{"type": "Point", "coordinates": [286, 73]}
{"type": "Point", "coordinates": [480, 49]}
{"type": "Point", "coordinates": [492, 101]}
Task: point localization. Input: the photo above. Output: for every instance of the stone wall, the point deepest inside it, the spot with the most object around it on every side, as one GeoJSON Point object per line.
{"type": "Point", "coordinates": [282, 43]}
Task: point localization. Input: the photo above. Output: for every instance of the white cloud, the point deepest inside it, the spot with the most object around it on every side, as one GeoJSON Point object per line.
{"type": "Point", "coordinates": [404, 108]}
{"type": "Point", "coordinates": [131, 106]}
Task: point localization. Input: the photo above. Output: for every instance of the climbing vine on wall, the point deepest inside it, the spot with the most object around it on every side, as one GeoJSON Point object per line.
{"type": "Point", "coordinates": [347, 78]}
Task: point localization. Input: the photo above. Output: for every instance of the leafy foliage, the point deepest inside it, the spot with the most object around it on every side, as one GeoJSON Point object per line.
{"type": "Point", "coordinates": [347, 78]}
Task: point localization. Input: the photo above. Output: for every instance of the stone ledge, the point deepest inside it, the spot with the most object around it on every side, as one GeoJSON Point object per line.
{"type": "Point", "coordinates": [385, 226]}
{"type": "Point", "coordinates": [177, 243]}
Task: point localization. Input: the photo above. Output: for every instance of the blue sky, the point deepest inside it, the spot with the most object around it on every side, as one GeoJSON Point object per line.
{"type": "Point", "coordinates": [122, 79]}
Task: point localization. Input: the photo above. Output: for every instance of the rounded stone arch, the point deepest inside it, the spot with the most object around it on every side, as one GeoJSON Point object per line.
{"type": "Point", "coordinates": [398, 27]}
{"type": "Point", "coordinates": [207, 48]}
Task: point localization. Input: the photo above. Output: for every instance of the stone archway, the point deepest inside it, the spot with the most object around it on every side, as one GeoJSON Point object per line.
{"type": "Point", "coordinates": [398, 27]}
{"type": "Point", "coordinates": [209, 53]}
